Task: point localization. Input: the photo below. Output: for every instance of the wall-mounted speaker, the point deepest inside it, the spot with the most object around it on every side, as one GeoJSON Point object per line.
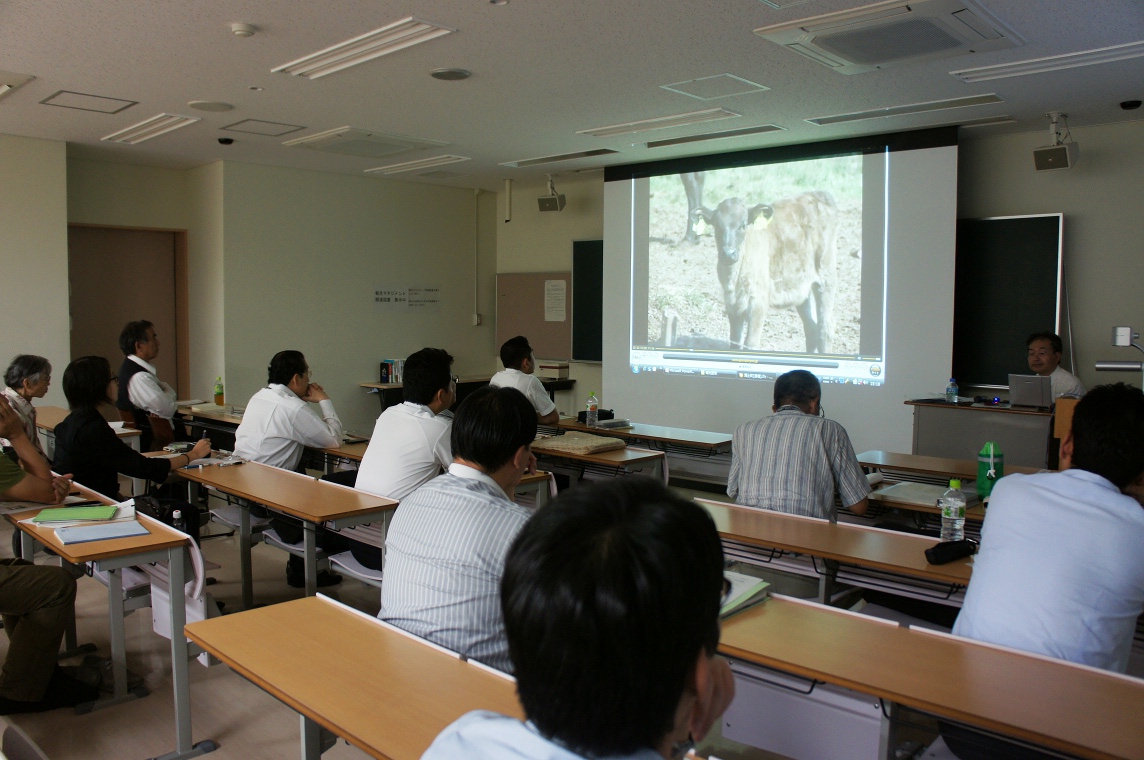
{"type": "Point", "coordinates": [1051, 157]}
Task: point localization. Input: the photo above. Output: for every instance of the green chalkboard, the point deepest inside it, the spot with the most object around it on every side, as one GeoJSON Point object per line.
{"type": "Point", "coordinates": [588, 300]}
{"type": "Point", "coordinates": [1008, 285]}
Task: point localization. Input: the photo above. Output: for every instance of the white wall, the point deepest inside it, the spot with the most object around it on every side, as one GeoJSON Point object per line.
{"type": "Point", "coordinates": [302, 253]}
{"type": "Point", "coordinates": [1101, 198]}
{"type": "Point", "coordinates": [206, 281]}
{"type": "Point", "coordinates": [542, 242]}
{"type": "Point", "coordinates": [126, 195]}
{"type": "Point", "coordinates": [34, 252]}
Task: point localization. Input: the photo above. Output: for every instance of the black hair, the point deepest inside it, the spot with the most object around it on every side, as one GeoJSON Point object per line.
{"type": "Point", "coordinates": [797, 387]}
{"type": "Point", "coordinates": [132, 333]}
{"type": "Point", "coordinates": [609, 594]}
{"type": "Point", "coordinates": [86, 380]}
{"type": "Point", "coordinates": [1053, 338]}
{"type": "Point", "coordinates": [426, 372]}
{"type": "Point", "coordinates": [490, 425]}
{"type": "Point", "coordinates": [1108, 433]}
{"type": "Point", "coordinates": [26, 367]}
{"type": "Point", "coordinates": [514, 352]}
{"type": "Point", "coordinates": [284, 366]}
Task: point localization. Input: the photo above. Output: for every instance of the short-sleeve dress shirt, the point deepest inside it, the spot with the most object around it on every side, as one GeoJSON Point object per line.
{"type": "Point", "coordinates": [792, 462]}
{"type": "Point", "coordinates": [444, 561]}
{"type": "Point", "coordinates": [27, 414]}
{"type": "Point", "coordinates": [529, 385]}
{"type": "Point", "coordinates": [409, 447]}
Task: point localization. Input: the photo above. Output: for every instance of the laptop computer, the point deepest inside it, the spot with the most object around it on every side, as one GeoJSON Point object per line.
{"type": "Point", "coordinates": [1030, 391]}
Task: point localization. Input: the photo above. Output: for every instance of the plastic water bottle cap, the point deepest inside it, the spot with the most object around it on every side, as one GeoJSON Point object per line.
{"type": "Point", "coordinates": [955, 483]}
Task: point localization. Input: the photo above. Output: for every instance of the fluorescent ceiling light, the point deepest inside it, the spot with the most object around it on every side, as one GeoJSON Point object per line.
{"type": "Point", "coordinates": [412, 166]}
{"type": "Point", "coordinates": [153, 127]}
{"type": "Point", "coordinates": [5, 89]}
{"type": "Point", "coordinates": [759, 130]}
{"type": "Point", "coordinates": [933, 105]}
{"type": "Point", "coordinates": [525, 162]}
{"type": "Point", "coordinates": [388, 39]}
{"type": "Point", "coordinates": [1052, 63]}
{"type": "Point", "coordinates": [662, 122]}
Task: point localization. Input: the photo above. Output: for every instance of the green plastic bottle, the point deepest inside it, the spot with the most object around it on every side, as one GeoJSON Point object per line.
{"type": "Point", "coordinates": [219, 398]}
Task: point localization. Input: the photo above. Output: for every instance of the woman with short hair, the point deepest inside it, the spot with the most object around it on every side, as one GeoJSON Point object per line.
{"type": "Point", "coordinates": [28, 376]}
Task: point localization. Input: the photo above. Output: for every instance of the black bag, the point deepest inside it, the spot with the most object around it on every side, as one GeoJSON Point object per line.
{"type": "Point", "coordinates": [164, 509]}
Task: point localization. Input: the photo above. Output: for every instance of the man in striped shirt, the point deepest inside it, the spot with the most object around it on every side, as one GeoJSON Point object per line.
{"type": "Point", "coordinates": [793, 460]}
{"type": "Point", "coordinates": [446, 545]}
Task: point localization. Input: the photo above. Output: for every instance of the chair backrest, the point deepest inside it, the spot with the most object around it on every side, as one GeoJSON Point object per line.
{"type": "Point", "coordinates": [17, 745]}
{"type": "Point", "coordinates": [127, 416]}
{"type": "Point", "coordinates": [162, 434]}
{"type": "Point", "coordinates": [342, 477]}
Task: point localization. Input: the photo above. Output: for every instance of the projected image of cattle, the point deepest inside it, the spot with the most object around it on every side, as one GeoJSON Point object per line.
{"type": "Point", "coordinates": [763, 258]}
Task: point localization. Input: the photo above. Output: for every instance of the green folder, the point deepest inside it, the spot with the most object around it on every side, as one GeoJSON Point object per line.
{"type": "Point", "coordinates": [68, 514]}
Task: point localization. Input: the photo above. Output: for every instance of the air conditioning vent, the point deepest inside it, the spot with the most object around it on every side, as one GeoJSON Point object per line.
{"type": "Point", "coordinates": [892, 32]}
{"type": "Point", "coordinates": [349, 141]}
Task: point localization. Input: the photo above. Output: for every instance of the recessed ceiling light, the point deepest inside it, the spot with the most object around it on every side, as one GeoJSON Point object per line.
{"type": "Point", "coordinates": [388, 39]}
{"type": "Point", "coordinates": [933, 105]}
{"type": "Point", "coordinates": [526, 162]}
{"type": "Point", "coordinates": [661, 122]}
{"type": "Point", "coordinates": [153, 127]}
{"type": "Point", "coordinates": [210, 105]}
{"type": "Point", "coordinates": [450, 75]}
{"type": "Point", "coordinates": [412, 166]}
{"type": "Point", "coordinates": [1052, 63]}
{"type": "Point", "coordinates": [747, 131]}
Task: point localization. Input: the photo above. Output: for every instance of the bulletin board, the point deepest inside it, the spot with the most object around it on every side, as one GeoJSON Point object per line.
{"type": "Point", "coordinates": [528, 304]}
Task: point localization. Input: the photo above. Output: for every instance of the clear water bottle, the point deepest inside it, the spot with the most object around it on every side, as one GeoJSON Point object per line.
{"type": "Point", "coordinates": [953, 512]}
{"type": "Point", "coordinates": [951, 391]}
{"type": "Point", "coordinates": [592, 418]}
{"type": "Point", "coordinates": [177, 521]}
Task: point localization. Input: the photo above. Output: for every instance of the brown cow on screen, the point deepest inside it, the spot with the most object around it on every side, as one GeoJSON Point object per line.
{"type": "Point", "coordinates": [777, 256]}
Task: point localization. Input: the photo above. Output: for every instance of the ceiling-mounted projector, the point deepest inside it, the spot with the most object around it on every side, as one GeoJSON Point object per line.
{"type": "Point", "coordinates": [1057, 154]}
{"type": "Point", "coordinates": [553, 201]}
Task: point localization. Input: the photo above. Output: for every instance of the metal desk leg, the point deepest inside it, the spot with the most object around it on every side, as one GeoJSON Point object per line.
{"type": "Point", "coordinates": [27, 546]}
{"type": "Point", "coordinates": [310, 539]}
{"type": "Point", "coordinates": [72, 647]}
{"type": "Point", "coordinates": [244, 554]}
{"type": "Point", "coordinates": [118, 649]}
{"type": "Point", "coordinates": [179, 672]}
{"type": "Point", "coordinates": [826, 581]}
{"type": "Point", "coordinates": [315, 739]}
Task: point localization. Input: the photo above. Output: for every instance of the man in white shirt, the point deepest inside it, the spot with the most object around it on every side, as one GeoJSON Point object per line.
{"type": "Point", "coordinates": [1044, 354]}
{"type": "Point", "coordinates": [519, 364]}
{"type": "Point", "coordinates": [1060, 571]}
{"type": "Point", "coordinates": [141, 392]}
{"type": "Point", "coordinates": [277, 426]}
{"type": "Point", "coordinates": [447, 542]}
{"type": "Point", "coordinates": [410, 442]}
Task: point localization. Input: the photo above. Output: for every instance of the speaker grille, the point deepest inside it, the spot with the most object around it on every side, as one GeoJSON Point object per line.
{"type": "Point", "coordinates": [890, 42]}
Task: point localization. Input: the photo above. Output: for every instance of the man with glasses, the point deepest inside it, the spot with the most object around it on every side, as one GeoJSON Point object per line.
{"type": "Point", "coordinates": [1044, 355]}
{"type": "Point", "coordinates": [410, 443]}
{"type": "Point", "coordinates": [277, 425]}
{"type": "Point", "coordinates": [794, 460]}
{"type": "Point", "coordinates": [141, 392]}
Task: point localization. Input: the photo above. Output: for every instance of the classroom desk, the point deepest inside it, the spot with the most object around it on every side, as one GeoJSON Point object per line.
{"type": "Point", "coordinates": [941, 468]}
{"type": "Point", "coordinates": [610, 463]}
{"type": "Point", "coordinates": [765, 536]}
{"type": "Point", "coordinates": [160, 544]}
{"type": "Point", "coordinates": [47, 417]}
{"type": "Point", "coordinates": [666, 439]}
{"type": "Point", "coordinates": [1071, 708]}
{"type": "Point", "coordinates": [354, 452]}
{"type": "Point", "coordinates": [312, 501]}
{"type": "Point", "coordinates": [390, 393]}
{"type": "Point", "coordinates": [382, 690]}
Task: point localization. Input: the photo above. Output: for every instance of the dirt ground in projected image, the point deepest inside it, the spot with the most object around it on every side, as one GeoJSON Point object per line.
{"type": "Point", "coordinates": [683, 277]}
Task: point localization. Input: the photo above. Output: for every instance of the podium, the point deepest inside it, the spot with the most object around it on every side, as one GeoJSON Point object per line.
{"type": "Point", "coordinates": [957, 431]}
